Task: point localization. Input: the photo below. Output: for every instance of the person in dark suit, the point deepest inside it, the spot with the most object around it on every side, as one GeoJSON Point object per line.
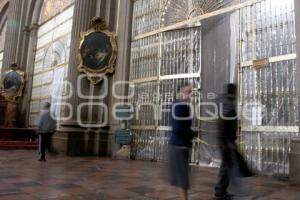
{"type": "Point", "coordinates": [180, 141]}
{"type": "Point", "coordinates": [233, 165]}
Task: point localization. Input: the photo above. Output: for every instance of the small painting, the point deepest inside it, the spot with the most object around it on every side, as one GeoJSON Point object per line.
{"type": "Point", "coordinates": [96, 50]}
{"type": "Point", "coordinates": [12, 83]}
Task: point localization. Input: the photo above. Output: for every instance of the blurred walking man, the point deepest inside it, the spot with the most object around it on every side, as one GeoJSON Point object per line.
{"type": "Point", "coordinates": [46, 128]}
{"type": "Point", "coordinates": [233, 165]}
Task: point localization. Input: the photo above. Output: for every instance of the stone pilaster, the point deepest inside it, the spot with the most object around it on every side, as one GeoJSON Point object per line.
{"type": "Point", "coordinates": [31, 49]}
{"type": "Point", "coordinates": [83, 13]}
{"type": "Point", "coordinates": [16, 44]}
{"type": "Point", "coordinates": [111, 13]}
{"type": "Point", "coordinates": [123, 27]}
{"type": "Point", "coordinates": [101, 7]}
{"type": "Point", "coordinates": [118, 16]}
{"type": "Point", "coordinates": [98, 140]}
{"type": "Point", "coordinates": [70, 138]}
{"type": "Point", "coordinates": [14, 33]}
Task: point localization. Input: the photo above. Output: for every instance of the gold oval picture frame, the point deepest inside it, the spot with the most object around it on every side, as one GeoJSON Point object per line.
{"type": "Point", "coordinates": [12, 83]}
{"type": "Point", "coordinates": [97, 51]}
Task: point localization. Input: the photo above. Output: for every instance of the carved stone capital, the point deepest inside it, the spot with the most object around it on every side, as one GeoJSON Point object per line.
{"type": "Point", "coordinates": [33, 29]}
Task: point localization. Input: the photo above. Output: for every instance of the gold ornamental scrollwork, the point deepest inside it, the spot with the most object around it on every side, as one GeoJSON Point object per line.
{"type": "Point", "coordinates": [13, 83]}
{"type": "Point", "coordinates": [97, 51]}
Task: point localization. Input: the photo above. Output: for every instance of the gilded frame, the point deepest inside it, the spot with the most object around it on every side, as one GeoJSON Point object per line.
{"type": "Point", "coordinates": [22, 75]}
{"type": "Point", "coordinates": [96, 75]}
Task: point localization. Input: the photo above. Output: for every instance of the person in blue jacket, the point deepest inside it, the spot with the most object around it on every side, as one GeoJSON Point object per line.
{"type": "Point", "coordinates": [180, 141]}
{"type": "Point", "coordinates": [46, 128]}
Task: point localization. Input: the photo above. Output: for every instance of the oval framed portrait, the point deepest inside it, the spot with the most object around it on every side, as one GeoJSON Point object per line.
{"type": "Point", "coordinates": [13, 83]}
{"type": "Point", "coordinates": [97, 52]}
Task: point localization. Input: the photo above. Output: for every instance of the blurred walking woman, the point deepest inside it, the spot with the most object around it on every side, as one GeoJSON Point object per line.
{"type": "Point", "coordinates": [180, 141]}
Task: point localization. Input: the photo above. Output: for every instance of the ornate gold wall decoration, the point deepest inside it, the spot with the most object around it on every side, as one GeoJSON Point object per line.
{"type": "Point", "coordinates": [12, 83]}
{"type": "Point", "coordinates": [52, 8]}
{"type": "Point", "coordinates": [97, 51]}
{"type": "Point", "coordinates": [173, 11]}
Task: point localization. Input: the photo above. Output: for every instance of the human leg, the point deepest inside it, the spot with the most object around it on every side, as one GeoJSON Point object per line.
{"type": "Point", "coordinates": [223, 182]}
{"type": "Point", "coordinates": [42, 143]}
{"type": "Point", "coordinates": [184, 194]}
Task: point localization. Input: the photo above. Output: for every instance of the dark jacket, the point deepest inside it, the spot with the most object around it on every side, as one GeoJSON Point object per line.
{"type": "Point", "coordinates": [181, 134]}
{"type": "Point", "coordinates": [227, 136]}
{"type": "Point", "coordinates": [227, 124]}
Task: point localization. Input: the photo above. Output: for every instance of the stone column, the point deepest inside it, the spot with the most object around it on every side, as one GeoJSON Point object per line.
{"type": "Point", "coordinates": [114, 12]}
{"type": "Point", "coordinates": [70, 137]}
{"type": "Point", "coordinates": [111, 13]}
{"type": "Point", "coordinates": [83, 13]}
{"type": "Point", "coordinates": [100, 11]}
{"type": "Point", "coordinates": [14, 33]}
{"type": "Point", "coordinates": [96, 140]}
{"type": "Point", "coordinates": [25, 102]}
{"type": "Point", "coordinates": [23, 36]}
{"type": "Point", "coordinates": [123, 27]}
{"type": "Point", "coordinates": [28, 52]}
{"type": "Point", "coordinates": [16, 44]}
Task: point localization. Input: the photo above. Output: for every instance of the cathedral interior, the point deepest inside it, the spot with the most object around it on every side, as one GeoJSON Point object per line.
{"type": "Point", "coordinates": [110, 69]}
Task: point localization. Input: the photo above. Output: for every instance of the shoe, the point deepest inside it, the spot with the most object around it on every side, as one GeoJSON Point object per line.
{"type": "Point", "coordinates": [42, 159]}
{"type": "Point", "coordinates": [225, 197]}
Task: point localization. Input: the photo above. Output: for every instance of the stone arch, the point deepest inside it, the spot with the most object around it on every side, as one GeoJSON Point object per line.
{"type": "Point", "coordinates": [56, 53]}
{"type": "Point", "coordinates": [3, 13]}
{"type": "Point", "coordinates": [35, 12]}
{"type": "Point", "coordinates": [3, 19]}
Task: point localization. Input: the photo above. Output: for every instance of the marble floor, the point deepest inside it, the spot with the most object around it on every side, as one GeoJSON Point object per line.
{"type": "Point", "coordinates": [22, 177]}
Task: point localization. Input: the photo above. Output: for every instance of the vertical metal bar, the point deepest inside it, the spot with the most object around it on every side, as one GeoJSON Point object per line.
{"type": "Point", "coordinates": [277, 92]}
{"type": "Point", "coordinates": [151, 43]}
{"type": "Point", "coordinates": [287, 94]}
{"type": "Point", "coordinates": [146, 56]}
{"type": "Point", "coordinates": [272, 93]}
{"type": "Point", "coordinates": [147, 152]}
{"type": "Point", "coordinates": [284, 152]}
{"type": "Point", "coordinates": [269, 37]}
{"type": "Point", "coordinates": [153, 55]}
{"type": "Point", "coordinates": [176, 49]}
{"type": "Point", "coordinates": [141, 68]}
{"type": "Point", "coordinates": [295, 100]}
{"type": "Point", "coordinates": [281, 30]}
{"type": "Point", "coordinates": [282, 92]}
{"type": "Point", "coordinates": [251, 149]}
{"type": "Point", "coordinates": [150, 53]}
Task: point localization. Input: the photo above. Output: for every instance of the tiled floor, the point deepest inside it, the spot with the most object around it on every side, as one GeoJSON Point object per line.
{"type": "Point", "coordinates": [22, 177]}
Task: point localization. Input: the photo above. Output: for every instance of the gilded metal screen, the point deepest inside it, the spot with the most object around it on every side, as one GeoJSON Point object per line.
{"type": "Point", "coordinates": [269, 105]}
{"type": "Point", "coordinates": [159, 64]}
{"type": "Point", "coordinates": [167, 39]}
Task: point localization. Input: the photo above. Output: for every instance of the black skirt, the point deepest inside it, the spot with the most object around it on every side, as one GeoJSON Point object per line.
{"type": "Point", "coordinates": [178, 168]}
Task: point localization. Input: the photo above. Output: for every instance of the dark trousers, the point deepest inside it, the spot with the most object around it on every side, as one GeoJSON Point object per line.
{"type": "Point", "coordinates": [44, 143]}
{"type": "Point", "coordinates": [224, 179]}
{"type": "Point", "coordinates": [229, 173]}
{"type": "Point", "coordinates": [178, 166]}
